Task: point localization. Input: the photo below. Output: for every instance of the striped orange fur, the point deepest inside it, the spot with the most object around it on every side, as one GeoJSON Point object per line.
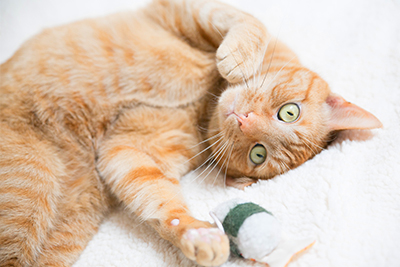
{"type": "Point", "coordinates": [111, 108]}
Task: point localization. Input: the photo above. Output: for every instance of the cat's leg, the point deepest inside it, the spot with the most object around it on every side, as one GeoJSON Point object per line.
{"type": "Point", "coordinates": [240, 39]}
{"type": "Point", "coordinates": [29, 193]}
{"type": "Point", "coordinates": [80, 216]}
{"type": "Point", "coordinates": [46, 216]}
{"type": "Point", "coordinates": [143, 171]}
{"type": "Point", "coordinates": [138, 182]}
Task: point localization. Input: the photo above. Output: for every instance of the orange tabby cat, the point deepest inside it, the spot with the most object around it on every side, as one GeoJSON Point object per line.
{"type": "Point", "coordinates": [110, 108]}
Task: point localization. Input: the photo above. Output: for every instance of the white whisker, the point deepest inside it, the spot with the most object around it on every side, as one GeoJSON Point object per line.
{"type": "Point", "coordinates": [180, 190]}
{"type": "Point", "coordinates": [222, 165]}
{"type": "Point", "coordinates": [216, 163]}
{"type": "Point", "coordinates": [308, 143]}
{"type": "Point", "coordinates": [204, 150]}
{"type": "Point", "coordinates": [269, 65]}
{"type": "Point", "coordinates": [273, 52]}
{"type": "Point", "coordinates": [260, 68]}
{"type": "Point", "coordinates": [229, 158]}
{"type": "Point", "coordinates": [276, 75]}
{"type": "Point", "coordinates": [206, 140]}
{"type": "Point", "coordinates": [214, 158]}
{"type": "Point", "coordinates": [284, 168]}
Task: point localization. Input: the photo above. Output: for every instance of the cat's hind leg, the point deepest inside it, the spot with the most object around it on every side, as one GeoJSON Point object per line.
{"type": "Point", "coordinates": [81, 213]}
{"type": "Point", "coordinates": [29, 192]}
{"type": "Point", "coordinates": [46, 216]}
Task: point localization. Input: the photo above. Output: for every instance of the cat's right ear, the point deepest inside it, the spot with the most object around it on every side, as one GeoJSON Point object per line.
{"type": "Point", "coordinates": [345, 115]}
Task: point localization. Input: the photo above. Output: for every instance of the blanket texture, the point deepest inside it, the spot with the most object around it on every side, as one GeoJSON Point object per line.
{"type": "Point", "coordinates": [348, 196]}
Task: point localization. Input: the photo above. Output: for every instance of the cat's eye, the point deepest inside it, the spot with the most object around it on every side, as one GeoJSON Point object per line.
{"type": "Point", "coordinates": [289, 112]}
{"type": "Point", "coordinates": [258, 154]}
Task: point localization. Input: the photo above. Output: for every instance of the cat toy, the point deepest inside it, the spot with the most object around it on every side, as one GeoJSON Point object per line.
{"type": "Point", "coordinates": [255, 234]}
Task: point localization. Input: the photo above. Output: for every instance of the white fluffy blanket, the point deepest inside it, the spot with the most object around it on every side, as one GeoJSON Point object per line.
{"type": "Point", "coordinates": [348, 196]}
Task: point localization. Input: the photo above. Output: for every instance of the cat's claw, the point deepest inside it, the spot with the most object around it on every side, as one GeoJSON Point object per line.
{"type": "Point", "coordinates": [207, 246]}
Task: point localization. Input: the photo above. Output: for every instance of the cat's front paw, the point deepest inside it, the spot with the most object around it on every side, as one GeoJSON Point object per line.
{"type": "Point", "coordinates": [207, 246]}
{"type": "Point", "coordinates": [239, 59]}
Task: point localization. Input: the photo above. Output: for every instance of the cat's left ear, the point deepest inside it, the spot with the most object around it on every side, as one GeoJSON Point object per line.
{"type": "Point", "coordinates": [345, 115]}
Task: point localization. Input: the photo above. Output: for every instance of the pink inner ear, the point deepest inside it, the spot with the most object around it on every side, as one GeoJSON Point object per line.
{"type": "Point", "coordinates": [345, 115]}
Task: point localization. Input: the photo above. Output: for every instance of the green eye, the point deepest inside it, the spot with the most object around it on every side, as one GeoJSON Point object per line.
{"type": "Point", "coordinates": [289, 112]}
{"type": "Point", "coordinates": [258, 154]}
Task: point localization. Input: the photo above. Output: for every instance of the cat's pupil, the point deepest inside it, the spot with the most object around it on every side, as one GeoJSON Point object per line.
{"type": "Point", "coordinates": [260, 156]}
{"type": "Point", "coordinates": [290, 113]}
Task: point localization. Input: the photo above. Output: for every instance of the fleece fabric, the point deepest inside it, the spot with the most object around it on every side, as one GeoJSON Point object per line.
{"type": "Point", "coordinates": [348, 196]}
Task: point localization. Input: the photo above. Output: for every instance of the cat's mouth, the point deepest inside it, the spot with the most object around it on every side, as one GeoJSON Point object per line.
{"type": "Point", "coordinates": [239, 117]}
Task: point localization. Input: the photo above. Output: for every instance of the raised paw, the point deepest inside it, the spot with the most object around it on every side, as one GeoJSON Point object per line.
{"type": "Point", "coordinates": [239, 58]}
{"type": "Point", "coordinates": [207, 246]}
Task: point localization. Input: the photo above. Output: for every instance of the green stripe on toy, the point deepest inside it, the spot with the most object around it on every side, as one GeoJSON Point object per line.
{"type": "Point", "coordinates": [236, 216]}
{"type": "Point", "coordinates": [254, 233]}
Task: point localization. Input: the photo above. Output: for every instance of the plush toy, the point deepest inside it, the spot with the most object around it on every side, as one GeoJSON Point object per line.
{"type": "Point", "coordinates": [255, 234]}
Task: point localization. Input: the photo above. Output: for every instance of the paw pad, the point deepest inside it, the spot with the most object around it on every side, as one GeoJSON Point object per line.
{"type": "Point", "coordinates": [207, 246]}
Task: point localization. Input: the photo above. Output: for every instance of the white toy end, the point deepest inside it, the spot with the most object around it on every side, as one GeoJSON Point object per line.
{"type": "Point", "coordinates": [286, 250]}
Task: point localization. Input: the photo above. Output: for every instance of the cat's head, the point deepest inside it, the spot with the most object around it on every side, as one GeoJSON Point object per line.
{"type": "Point", "coordinates": [273, 125]}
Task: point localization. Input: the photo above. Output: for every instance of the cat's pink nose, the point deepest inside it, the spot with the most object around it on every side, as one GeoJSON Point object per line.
{"type": "Point", "coordinates": [247, 121]}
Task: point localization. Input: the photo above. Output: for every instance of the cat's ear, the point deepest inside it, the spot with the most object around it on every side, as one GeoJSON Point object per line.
{"type": "Point", "coordinates": [345, 115]}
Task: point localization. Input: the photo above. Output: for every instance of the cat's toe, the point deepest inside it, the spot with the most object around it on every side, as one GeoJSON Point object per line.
{"type": "Point", "coordinates": [231, 65]}
{"type": "Point", "coordinates": [207, 246]}
{"type": "Point", "coordinates": [237, 64]}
